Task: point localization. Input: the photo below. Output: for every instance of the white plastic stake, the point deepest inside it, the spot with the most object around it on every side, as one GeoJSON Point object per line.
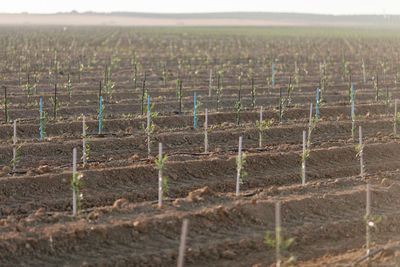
{"type": "Point", "coordinates": [310, 121]}
{"type": "Point", "coordinates": [148, 132]}
{"type": "Point", "coordinates": [278, 232]}
{"type": "Point", "coordinates": [395, 118]}
{"type": "Point", "coordinates": [239, 167]}
{"type": "Point", "coordinates": [368, 213]}
{"type": "Point", "coordinates": [363, 70]}
{"type": "Point", "coordinates": [160, 194]}
{"type": "Point", "coordinates": [84, 140]}
{"type": "Point", "coordinates": [210, 83]}
{"type": "Point", "coordinates": [74, 180]}
{"type": "Point", "coordinates": [182, 245]}
{"type": "Point", "coordinates": [15, 146]}
{"type": "Point", "coordinates": [260, 132]}
{"type": "Point", "coordinates": [206, 132]}
{"type": "Point", "coordinates": [303, 165]}
{"type": "Point", "coordinates": [361, 154]}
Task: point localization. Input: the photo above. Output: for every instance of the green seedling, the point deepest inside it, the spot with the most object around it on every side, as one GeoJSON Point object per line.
{"type": "Point", "coordinates": [240, 165]}
{"type": "Point", "coordinates": [160, 165]}
{"type": "Point", "coordinates": [76, 184]}
{"type": "Point", "coordinates": [280, 244]}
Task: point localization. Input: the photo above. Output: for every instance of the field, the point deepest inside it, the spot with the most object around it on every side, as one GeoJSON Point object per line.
{"type": "Point", "coordinates": [119, 221]}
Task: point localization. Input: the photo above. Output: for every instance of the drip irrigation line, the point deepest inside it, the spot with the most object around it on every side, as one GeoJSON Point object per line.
{"type": "Point", "coordinates": [81, 162]}
{"type": "Point", "coordinates": [373, 253]}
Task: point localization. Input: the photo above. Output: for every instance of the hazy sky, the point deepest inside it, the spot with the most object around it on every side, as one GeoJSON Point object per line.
{"type": "Point", "coordinates": [300, 6]}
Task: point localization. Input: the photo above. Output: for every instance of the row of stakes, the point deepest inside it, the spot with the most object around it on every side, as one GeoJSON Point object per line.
{"type": "Point", "coordinates": [185, 221]}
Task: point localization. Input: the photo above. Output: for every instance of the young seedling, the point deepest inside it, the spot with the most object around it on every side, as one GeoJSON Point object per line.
{"type": "Point", "coordinates": [219, 90]}
{"type": "Point", "coordinates": [363, 71]}
{"type": "Point", "coordinates": [85, 144]}
{"type": "Point", "coordinates": [6, 102]}
{"type": "Point", "coordinates": [360, 149]}
{"type": "Point", "coordinates": [352, 114]}
{"type": "Point", "coordinates": [162, 181]}
{"type": "Point", "coordinates": [240, 161]}
{"type": "Point", "coordinates": [76, 184]}
{"type": "Point", "coordinates": [210, 83]}
{"type": "Point", "coordinates": [149, 130]}
{"type": "Point", "coordinates": [253, 93]}
{"type": "Point", "coordinates": [370, 221]}
{"type": "Point", "coordinates": [376, 86]}
{"type": "Point", "coordinates": [304, 157]}
{"type": "Point", "coordinates": [279, 244]}
{"type": "Point", "coordinates": [143, 92]}
{"type": "Point", "coordinates": [396, 118]}
{"type": "Point", "coordinates": [16, 148]}
{"type": "Point", "coordinates": [273, 74]}
{"type": "Point", "coordinates": [262, 126]}
{"type": "Point", "coordinates": [289, 92]}
{"type": "Point", "coordinates": [55, 102]}
{"type": "Point", "coordinates": [179, 94]}
{"type": "Point", "coordinates": [100, 112]}
{"type": "Point", "coordinates": [68, 87]}
{"type": "Point", "coordinates": [182, 244]}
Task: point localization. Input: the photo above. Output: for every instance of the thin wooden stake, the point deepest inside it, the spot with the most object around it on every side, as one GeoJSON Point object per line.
{"type": "Point", "coordinates": [261, 122]}
{"type": "Point", "coordinates": [278, 233]}
{"type": "Point", "coordinates": [74, 204]}
{"type": "Point", "coordinates": [367, 216]}
{"type": "Point", "coordinates": [361, 153]}
{"type": "Point", "coordinates": [148, 132]}
{"type": "Point", "coordinates": [15, 146]}
{"type": "Point", "coordinates": [395, 118]}
{"type": "Point", "coordinates": [310, 124]}
{"type": "Point", "coordinates": [206, 132]}
{"type": "Point", "coordinates": [239, 167]}
{"type": "Point", "coordinates": [182, 245]}
{"type": "Point", "coordinates": [84, 140]}
{"type": "Point", "coordinates": [303, 165]}
{"type": "Point", "coordinates": [160, 193]}
{"type": "Point", "coordinates": [210, 83]}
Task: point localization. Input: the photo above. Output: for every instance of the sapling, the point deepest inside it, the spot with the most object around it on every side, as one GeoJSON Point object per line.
{"type": "Point", "coordinates": [100, 112]}
{"type": "Point", "coordinates": [360, 149]}
{"type": "Point", "coordinates": [376, 86]}
{"type": "Point", "coordinates": [210, 83]}
{"type": "Point", "coordinates": [16, 148]}
{"type": "Point", "coordinates": [279, 244]}
{"type": "Point", "coordinates": [55, 102]}
{"type": "Point", "coordinates": [68, 87]}
{"type": "Point", "coordinates": [240, 161]}
{"type": "Point", "coordinates": [43, 121]}
{"type": "Point", "coordinates": [143, 92]}
{"type": "Point", "coordinates": [179, 94]}
{"type": "Point", "coordinates": [6, 102]}
{"type": "Point", "coordinates": [304, 157]}
{"type": "Point", "coordinates": [363, 70]}
{"type": "Point", "coordinates": [76, 184]}
{"type": "Point", "coordinates": [261, 126]}
{"type": "Point", "coordinates": [162, 181]}
{"type": "Point", "coordinates": [149, 129]}
{"type": "Point", "coordinates": [85, 144]}
{"type": "Point", "coordinates": [219, 89]}
{"type": "Point", "coordinates": [253, 93]}
{"type": "Point", "coordinates": [289, 92]}
{"type": "Point", "coordinates": [238, 108]}
{"type": "Point", "coordinates": [370, 221]}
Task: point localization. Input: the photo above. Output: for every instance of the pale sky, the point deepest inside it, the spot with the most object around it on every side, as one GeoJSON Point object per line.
{"type": "Point", "coordinates": [181, 6]}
